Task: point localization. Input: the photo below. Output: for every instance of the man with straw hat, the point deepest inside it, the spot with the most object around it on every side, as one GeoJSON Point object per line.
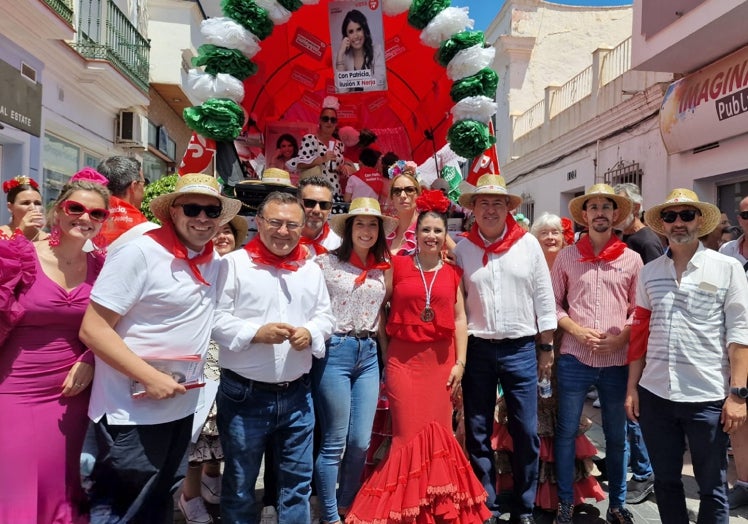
{"type": "Point", "coordinates": [691, 328]}
{"type": "Point", "coordinates": [154, 298]}
{"type": "Point", "coordinates": [509, 299]}
{"type": "Point", "coordinates": [594, 282]}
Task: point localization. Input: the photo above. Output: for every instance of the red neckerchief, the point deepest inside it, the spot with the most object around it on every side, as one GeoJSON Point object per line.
{"type": "Point", "coordinates": [513, 233]}
{"type": "Point", "coordinates": [167, 237]}
{"type": "Point", "coordinates": [371, 263]}
{"type": "Point", "coordinates": [122, 216]}
{"type": "Point", "coordinates": [260, 254]}
{"type": "Point", "coordinates": [316, 243]}
{"type": "Point", "coordinates": [612, 250]}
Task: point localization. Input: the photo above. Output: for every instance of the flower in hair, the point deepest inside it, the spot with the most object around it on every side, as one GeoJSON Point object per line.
{"type": "Point", "coordinates": [89, 174]}
{"type": "Point", "coordinates": [432, 200]}
{"type": "Point", "coordinates": [19, 181]}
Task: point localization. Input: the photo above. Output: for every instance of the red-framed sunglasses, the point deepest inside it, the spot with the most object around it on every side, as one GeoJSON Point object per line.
{"type": "Point", "coordinates": [76, 209]}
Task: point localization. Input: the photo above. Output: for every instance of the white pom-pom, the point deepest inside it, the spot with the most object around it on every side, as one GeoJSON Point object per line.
{"type": "Point", "coordinates": [395, 7]}
{"type": "Point", "coordinates": [310, 2]}
{"type": "Point", "coordinates": [331, 102]}
{"type": "Point", "coordinates": [225, 32]}
{"type": "Point", "coordinates": [469, 61]}
{"type": "Point", "coordinates": [276, 12]}
{"type": "Point", "coordinates": [448, 22]}
{"type": "Point", "coordinates": [478, 108]}
{"type": "Point", "coordinates": [202, 86]}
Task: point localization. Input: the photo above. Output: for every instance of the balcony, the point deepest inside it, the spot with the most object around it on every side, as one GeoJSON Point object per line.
{"type": "Point", "coordinates": [105, 33]}
{"type": "Point", "coordinates": [62, 8]}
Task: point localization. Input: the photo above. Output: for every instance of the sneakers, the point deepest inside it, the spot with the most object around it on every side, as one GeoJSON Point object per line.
{"type": "Point", "coordinates": [565, 513]}
{"type": "Point", "coordinates": [210, 489]}
{"type": "Point", "coordinates": [737, 496]}
{"type": "Point", "coordinates": [596, 403]}
{"type": "Point", "coordinates": [269, 515]}
{"type": "Point", "coordinates": [619, 516]}
{"type": "Point", "coordinates": [637, 491]}
{"type": "Point", "coordinates": [194, 511]}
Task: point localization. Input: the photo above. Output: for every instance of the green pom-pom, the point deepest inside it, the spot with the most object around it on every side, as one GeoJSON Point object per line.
{"type": "Point", "coordinates": [291, 5]}
{"type": "Point", "coordinates": [156, 188]}
{"type": "Point", "coordinates": [484, 82]}
{"type": "Point", "coordinates": [459, 41]}
{"type": "Point", "coordinates": [218, 118]}
{"type": "Point", "coordinates": [421, 12]}
{"type": "Point", "coordinates": [469, 138]}
{"type": "Point", "coordinates": [251, 16]}
{"type": "Point", "coordinates": [218, 59]}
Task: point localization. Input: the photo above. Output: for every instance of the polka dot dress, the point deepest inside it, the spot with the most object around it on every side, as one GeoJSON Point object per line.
{"type": "Point", "coordinates": [311, 148]}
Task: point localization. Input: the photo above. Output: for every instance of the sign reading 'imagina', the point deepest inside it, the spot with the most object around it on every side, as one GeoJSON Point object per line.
{"type": "Point", "coordinates": [732, 105]}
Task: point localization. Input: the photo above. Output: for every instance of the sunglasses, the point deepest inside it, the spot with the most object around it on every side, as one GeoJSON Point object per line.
{"type": "Point", "coordinates": [331, 119]}
{"type": "Point", "coordinates": [409, 190]}
{"type": "Point", "coordinates": [743, 215]}
{"type": "Point", "coordinates": [310, 203]}
{"type": "Point", "coordinates": [193, 210]}
{"type": "Point", "coordinates": [76, 209]}
{"type": "Point", "coordinates": [687, 215]}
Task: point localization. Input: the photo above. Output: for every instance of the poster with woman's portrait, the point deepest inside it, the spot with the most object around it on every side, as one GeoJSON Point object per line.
{"type": "Point", "coordinates": [357, 40]}
{"type": "Point", "coordinates": [282, 140]}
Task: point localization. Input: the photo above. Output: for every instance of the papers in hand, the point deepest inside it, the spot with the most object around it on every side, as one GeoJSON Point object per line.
{"type": "Point", "coordinates": [186, 370]}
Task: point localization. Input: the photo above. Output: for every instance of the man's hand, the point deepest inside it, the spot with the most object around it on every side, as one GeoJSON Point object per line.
{"type": "Point", "coordinates": [632, 404]}
{"type": "Point", "coordinates": [274, 333]}
{"type": "Point", "coordinates": [161, 385]}
{"type": "Point", "coordinates": [607, 343]}
{"type": "Point", "coordinates": [733, 414]}
{"type": "Point", "coordinates": [301, 339]}
{"type": "Point", "coordinates": [587, 336]}
{"type": "Point", "coordinates": [545, 364]}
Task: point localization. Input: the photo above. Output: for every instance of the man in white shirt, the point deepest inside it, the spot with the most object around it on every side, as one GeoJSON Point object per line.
{"type": "Point", "coordinates": [153, 299]}
{"type": "Point", "coordinates": [316, 196]}
{"type": "Point", "coordinates": [509, 299]}
{"type": "Point", "coordinates": [273, 316]}
{"type": "Point", "coordinates": [691, 329]}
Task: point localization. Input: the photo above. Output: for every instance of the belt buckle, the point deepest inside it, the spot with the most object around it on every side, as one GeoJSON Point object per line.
{"type": "Point", "coordinates": [359, 333]}
{"type": "Point", "coordinates": [282, 385]}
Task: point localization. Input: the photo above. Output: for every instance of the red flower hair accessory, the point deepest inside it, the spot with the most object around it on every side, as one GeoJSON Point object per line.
{"type": "Point", "coordinates": [432, 200]}
{"type": "Point", "coordinates": [568, 231]}
{"type": "Point", "coordinates": [19, 181]}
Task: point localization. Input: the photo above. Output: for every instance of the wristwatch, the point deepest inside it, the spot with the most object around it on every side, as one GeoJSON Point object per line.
{"type": "Point", "coordinates": [739, 392]}
{"type": "Point", "coordinates": [545, 347]}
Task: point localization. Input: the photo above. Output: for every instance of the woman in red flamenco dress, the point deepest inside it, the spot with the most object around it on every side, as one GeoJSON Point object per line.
{"type": "Point", "coordinates": [426, 477]}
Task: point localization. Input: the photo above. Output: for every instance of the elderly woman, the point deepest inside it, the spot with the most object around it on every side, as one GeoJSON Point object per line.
{"type": "Point", "coordinates": [549, 231]}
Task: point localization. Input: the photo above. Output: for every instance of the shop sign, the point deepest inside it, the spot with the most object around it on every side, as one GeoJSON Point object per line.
{"type": "Point", "coordinates": [20, 100]}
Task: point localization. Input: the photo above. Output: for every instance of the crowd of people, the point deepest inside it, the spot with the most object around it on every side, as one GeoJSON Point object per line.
{"type": "Point", "coordinates": [111, 326]}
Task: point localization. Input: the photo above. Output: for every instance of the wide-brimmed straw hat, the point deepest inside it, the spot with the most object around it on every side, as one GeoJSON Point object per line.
{"type": "Point", "coordinates": [195, 184]}
{"type": "Point", "coordinates": [241, 226]}
{"type": "Point", "coordinates": [488, 185]}
{"type": "Point", "coordinates": [362, 206]}
{"type": "Point", "coordinates": [684, 197]}
{"type": "Point", "coordinates": [274, 175]}
{"type": "Point", "coordinates": [623, 203]}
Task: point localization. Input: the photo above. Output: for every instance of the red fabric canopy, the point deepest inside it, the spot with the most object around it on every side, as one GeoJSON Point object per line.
{"type": "Point", "coordinates": [295, 74]}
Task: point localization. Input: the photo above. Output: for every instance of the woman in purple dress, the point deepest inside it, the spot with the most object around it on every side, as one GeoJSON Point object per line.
{"type": "Point", "coordinates": [44, 369]}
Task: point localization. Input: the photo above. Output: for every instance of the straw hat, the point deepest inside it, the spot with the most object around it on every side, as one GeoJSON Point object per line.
{"type": "Point", "coordinates": [195, 184]}
{"type": "Point", "coordinates": [273, 175]}
{"type": "Point", "coordinates": [488, 185]}
{"type": "Point", "coordinates": [623, 203]}
{"type": "Point", "coordinates": [241, 226]}
{"type": "Point", "coordinates": [362, 206]}
{"type": "Point", "coordinates": [684, 197]}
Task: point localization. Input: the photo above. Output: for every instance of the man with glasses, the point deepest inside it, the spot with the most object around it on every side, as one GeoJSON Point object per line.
{"type": "Point", "coordinates": [154, 299]}
{"type": "Point", "coordinates": [273, 317]}
{"type": "Point", "coordinates": [691, 328]}
{"type": "Point", "coordinates": [316, 196]}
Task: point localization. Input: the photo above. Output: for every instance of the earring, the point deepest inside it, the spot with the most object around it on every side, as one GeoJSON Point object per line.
{"type": "Point", "coordinates": [54, 236]}
{"type": "Point", "coordinates": [100, 244]}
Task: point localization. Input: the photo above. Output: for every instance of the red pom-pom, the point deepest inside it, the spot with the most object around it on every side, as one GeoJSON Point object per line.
{"type": "Point", "coordinates": [432, 200]}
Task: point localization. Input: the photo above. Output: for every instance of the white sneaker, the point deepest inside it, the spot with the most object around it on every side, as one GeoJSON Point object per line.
{"type": "Point", "coordinates": [269, 515]}
{"type": "Point", "coordinates": [596, 403]}
{"type": "Point", "coordinates": [210, 489]}
{"type": "Point", "coordinates": [315, 510]}
{"type": "Point", "coordinates": [194, 511]}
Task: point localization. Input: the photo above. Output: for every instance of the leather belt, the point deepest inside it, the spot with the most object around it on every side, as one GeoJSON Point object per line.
{"type": "Point", "coordinates": [274, 387]}
{"type": "Point", "coordinates": [358, 333]}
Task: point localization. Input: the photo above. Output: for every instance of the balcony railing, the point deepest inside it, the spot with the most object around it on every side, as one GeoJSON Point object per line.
{"type": "Point", "coordinates": [574, 90]}
{"type": "Point", "coordinates": [530, 119]}
{"type": "Point", "coordinates": [617, 62]}
{"type": "Point", "coordinates": [118, 41]}
{"type": "Point", "coordinates": [62, 8]}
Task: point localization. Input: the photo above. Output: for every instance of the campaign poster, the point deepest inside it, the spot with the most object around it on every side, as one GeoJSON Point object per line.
{"type": "Point", "coordinates": [282, 142]}
{"type": "Point", "coordinates": [357, 45]}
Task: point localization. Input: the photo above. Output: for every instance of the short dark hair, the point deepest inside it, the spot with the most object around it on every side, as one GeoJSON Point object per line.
{"type": "Point", "coordinates": [388, 159]}
{"type": "Point", "coordinates": [279, 197]}
{"type": "Point", "coordinates": [121, 171]}
{"type": "Point", "coordinates": [316, 181]}
{"type": "Point", "coordinates": [369, 156]}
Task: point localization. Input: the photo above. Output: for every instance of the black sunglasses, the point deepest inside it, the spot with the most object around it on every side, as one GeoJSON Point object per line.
{"type": "Point", "coordinates": [324, 205]}
{"type": "Point", "coordinates": [409, 190]}
{"type": "Point", "coordinates": [193, 210]}
{"type": "Point", "coordinates": [743, 215]}
{"type": "Point", "coordinates": [686, 215]}
{"type": "Point", "coordinates": [331, 119]}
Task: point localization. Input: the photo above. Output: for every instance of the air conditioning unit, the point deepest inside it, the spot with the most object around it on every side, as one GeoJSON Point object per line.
{"type": "Point", "coordinates": [132, 130]}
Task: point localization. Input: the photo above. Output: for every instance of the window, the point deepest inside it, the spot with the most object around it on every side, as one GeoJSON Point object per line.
{"type": "Point", "coordinates": [623, 173]}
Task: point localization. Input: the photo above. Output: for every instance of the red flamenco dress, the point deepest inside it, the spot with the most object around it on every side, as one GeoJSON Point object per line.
{"type": "Point", "coordinates": [426, 477]}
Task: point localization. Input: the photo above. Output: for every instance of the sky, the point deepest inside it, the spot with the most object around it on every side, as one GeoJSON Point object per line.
{"type": "Point", "coordinates": [484, 11]}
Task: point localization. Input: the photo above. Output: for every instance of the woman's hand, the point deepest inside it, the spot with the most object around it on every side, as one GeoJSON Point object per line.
{"type": "Point", "coordinates": [455, 378]}
{"type": "Point", "coordinates": [345, 44]}
{"type": "Point", "coordinates": [78, 379]}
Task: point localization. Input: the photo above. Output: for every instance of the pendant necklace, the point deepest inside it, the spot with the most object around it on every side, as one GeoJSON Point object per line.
{"type": "Point", "coordinates": [427, 315]}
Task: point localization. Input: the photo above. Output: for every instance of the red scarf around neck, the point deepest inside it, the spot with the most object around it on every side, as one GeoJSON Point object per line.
{"type": "Point", "coordinates": [512, 235]}
{"type": "Point", "coordinates": [316, 243]}
{"type": "Point", "coordinates": [371, 264]}
{"type": "Point", "coordinates": [166, 236]}
{"type": "Point", "coordinates": [612, 250]}
{"type": "Point", "coordinates": [260, 254]}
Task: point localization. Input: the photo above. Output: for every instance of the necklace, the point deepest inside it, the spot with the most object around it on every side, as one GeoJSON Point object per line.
{"type": "Point", "coordinates": [427, 315]}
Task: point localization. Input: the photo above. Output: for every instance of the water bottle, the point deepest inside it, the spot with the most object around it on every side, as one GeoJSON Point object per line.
{"type": "Point", "coordinates": [544, 388]}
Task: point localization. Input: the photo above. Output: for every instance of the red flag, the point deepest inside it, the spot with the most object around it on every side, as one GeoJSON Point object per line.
{"type": "Point", "coordinates": [198, 155]}
{"type": "Point", "coordinates": [487, 163]}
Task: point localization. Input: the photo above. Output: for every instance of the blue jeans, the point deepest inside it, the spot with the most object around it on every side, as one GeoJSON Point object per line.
{"type": "Point", "coordinates": [641, 468]}
{"type": "Point", "coordinates": [514, 364]}
{"type": "Point", "coordinates": [248, 418]}
{"type": "Point", "coordinates": [574, 380]}
{"type": "Point", "coordinates": [666, 426]}
{"type": "Point", "coordinates": [345, 386]}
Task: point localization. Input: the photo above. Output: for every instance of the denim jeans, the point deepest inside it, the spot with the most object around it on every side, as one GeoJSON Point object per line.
{"type": "Point", "coordinates": [512, 363]}
{"type": "Point", "coordinates": [666, 426]}
{"type": "Point", "coordinates": [574, 380]}
{"type": "Point", "coordinates": [248, 418]}
{"type": "Point", "coordinates": [641, 468]}
{"type": "Point", "coordinates": [345, 387]}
